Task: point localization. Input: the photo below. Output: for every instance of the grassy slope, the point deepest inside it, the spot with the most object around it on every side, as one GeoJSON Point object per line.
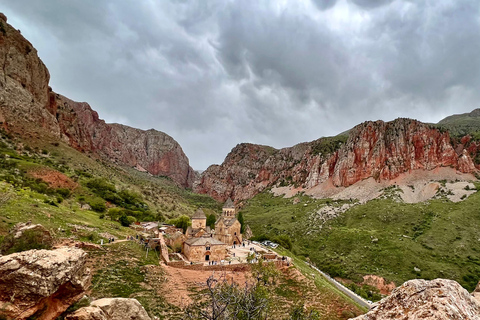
{"type": "Point", "coordinates": [438, 237]}
{"type": "Point", "coordinates": [122, 269]}
{"type": "Point", "coordinates": [329, 300]}
{"type": "Point", "coordinates": [161, 195]}
{"type": "Point", "coordinates": [462, 124]}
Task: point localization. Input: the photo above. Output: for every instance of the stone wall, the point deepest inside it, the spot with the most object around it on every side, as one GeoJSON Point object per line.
{"type": "Point", "coordinates": [198, 253]}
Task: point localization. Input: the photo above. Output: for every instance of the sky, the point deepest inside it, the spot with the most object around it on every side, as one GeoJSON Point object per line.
{"type": "Point", "coordinates": [213, 74]}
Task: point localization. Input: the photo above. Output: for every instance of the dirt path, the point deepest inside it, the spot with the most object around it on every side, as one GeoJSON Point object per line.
{"type": "Point", "coordinates": [182, 283]}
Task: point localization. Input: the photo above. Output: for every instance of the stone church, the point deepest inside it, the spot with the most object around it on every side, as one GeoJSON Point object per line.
{"type": "Point", "coordinates": [204, 244]}
{"type": "Point", "coordinates": [227, 227]}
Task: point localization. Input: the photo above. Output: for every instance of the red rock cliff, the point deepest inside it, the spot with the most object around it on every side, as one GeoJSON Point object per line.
{"type": "Point", "coordinates": [29, 108]}
{"type": "Point", "coordinates": [382, 150]}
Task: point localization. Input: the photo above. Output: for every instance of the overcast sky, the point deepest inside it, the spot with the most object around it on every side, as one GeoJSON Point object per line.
{"type": "Point", "coordinates": [213, 74]}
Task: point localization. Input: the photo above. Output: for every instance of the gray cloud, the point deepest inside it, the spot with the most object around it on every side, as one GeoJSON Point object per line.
{"type": "Point", "coordinates": [216, 73]}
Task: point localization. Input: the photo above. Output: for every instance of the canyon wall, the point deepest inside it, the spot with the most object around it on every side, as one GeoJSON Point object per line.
{"type": "Point", "coordinates": [29, 108]}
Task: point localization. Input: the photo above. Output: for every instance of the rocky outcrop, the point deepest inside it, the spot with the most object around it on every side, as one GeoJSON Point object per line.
{"type": "Point", "coordinates": [23, 86]}
{"type": "Point", "coordinates": [151, 151]}
{"type": "Point", "coordinates": [41, 283]}
{"type": "Point", "coordinates": [111, 309]}
{"type": "Point", "coordinates": [28, 107]}
{"type": "Point", "coordinates": [437, 299]}
{"type": "Point", "coordinates": [382, 150]}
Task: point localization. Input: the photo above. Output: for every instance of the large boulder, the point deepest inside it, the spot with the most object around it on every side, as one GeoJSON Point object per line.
{"type": "Point", "coordinates": [437, 299]}
{"type": "Point", "coordinates": [41, 283]}
{"type": "Point", "coordinates": [111, 309]}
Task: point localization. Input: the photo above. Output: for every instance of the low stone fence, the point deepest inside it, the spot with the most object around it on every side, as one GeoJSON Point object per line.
{"type": "Point", "coordinates": [241, 267]}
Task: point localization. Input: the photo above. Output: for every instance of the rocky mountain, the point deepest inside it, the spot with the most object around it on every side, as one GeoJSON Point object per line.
{"type": "Point", "coordinates": [374, 149]}
{"type": "Point", "coordinates": [29, 108]}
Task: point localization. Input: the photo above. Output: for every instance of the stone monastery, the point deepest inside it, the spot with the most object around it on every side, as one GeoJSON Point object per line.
{"type": "Point", "coordinates": [205, 244]}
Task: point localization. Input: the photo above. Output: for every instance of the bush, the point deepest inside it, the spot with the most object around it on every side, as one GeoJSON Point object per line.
{"type": "Point", "coordinates": [115, 213]}
{"type": "Point", "coordinates": [124, 220]}
{"type": "Point", "coordinates": [98, 205]}
{"type": "Point", "coordinates": [211, 219]}
{"type": "Point", "coordinates": [284, 241]}
{"type": "Point", "coordinates": [181, 222]}
{"type": "Point", "coordinates": [64, 192]}
{"type": "Point", "coordinates": [131, 220]}
{"type": "Point", "coordinates": [101, 187]}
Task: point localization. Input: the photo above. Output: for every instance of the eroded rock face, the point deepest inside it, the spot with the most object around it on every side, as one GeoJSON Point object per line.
{"type": "Point", "coordinates": [43, 283]}
{"type": "Point", "coordinates": [31, 109]}
{"type": "Point", "coordinates": [23, 86]}
{"type": "Point", "coordinates": [382, 150]}
{"type": "Point", "coordinates": [437, 299]}
{"type": "Point", "coordinates": [111, 309]}
{"type": "Point", "coordinates": [152, 151]}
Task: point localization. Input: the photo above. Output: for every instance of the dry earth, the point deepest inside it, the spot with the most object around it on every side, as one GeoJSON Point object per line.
{"type": "Point", "coordinates": [181, 284]}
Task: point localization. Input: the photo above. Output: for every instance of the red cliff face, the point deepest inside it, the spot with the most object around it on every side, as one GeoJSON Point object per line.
{"type": "Point", "coordinates": [382, 150]}
{"type": "Point", "coordinates": [29, 108]}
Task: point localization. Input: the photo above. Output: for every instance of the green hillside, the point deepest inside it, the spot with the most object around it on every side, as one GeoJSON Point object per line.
{"type": "Point", "coordinates": [57, 186]}
{"type": "Point", "coordinates": [460, 125]}
{"type": "Point", "coordinates": [384, 237]}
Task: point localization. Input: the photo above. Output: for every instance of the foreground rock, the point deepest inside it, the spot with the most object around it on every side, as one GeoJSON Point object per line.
{"type": "Point", "coordinates": [111, 309]}
{"type": "Point", "coordinates": [41, 283]}
{"type": "Point", "coordinates": [437, 299]}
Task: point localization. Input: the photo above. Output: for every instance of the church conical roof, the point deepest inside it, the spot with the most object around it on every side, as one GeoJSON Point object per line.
{"type": "Point", "coordinates": [199, 214]}
{"type": "Point", "coordinates": [229, 204]}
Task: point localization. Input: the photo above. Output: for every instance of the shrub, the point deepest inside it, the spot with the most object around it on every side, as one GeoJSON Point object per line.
{"type": "Point", "coordinates": [64, 192]}
{"type": "Point", "coordinates": [115, 213]}
{"type": "Point", "coordinates": [124, 220]}
{"type": "Point", "coordinates": [98, 205]}
{"type": "Point", "coordinates": [131, 220]}
{"type": "Point", "coordinates": [101, 187]}
{"type": "Point", "coordinates": [181, 222]}
{"type": "Point", "coordinates": [284, 241]}
{"type": "Point", "coordinates": [211, 219]}
{"type": "Point", "coordinates": [30, 239]}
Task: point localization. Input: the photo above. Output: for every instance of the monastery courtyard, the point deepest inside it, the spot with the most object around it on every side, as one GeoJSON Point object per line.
{"type": "Point", "coordinates": [239, 253]}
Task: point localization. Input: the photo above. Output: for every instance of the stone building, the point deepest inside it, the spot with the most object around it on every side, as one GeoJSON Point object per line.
{"type": "Point", "coordinates": [199, 226]}
{"type": "Point", "coordinates": [227, 227]}
{"type": "Point", "coordinates": [204, 249]}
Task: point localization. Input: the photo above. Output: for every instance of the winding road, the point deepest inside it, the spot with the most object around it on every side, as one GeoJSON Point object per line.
{"type": "Point", "coordinates": [355, 297]}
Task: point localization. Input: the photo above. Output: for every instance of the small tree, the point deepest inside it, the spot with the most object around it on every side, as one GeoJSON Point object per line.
{"type": "Point", "coordinates": [299, 312]}
{"type": "Point", "coordinates": [242, 222]}
{"type": "Point", "coordinates": [227, 300]}
{"type": "Point", "coordinates": [264, 273]}
{"type": "Point", "coordinates": [124, 220]}
{"type": "Point", "coordinates": [181, 222]}
{"type": "Point", "coordinates": [211, 219]}
{"type": "Point", "coordinates": [98, 205]}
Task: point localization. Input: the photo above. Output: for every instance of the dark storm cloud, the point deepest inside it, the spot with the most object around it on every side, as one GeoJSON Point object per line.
{"type": "Point", "coordinates": [366, 4]}
{"type": "Point", "coordinates": [216, 73]}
